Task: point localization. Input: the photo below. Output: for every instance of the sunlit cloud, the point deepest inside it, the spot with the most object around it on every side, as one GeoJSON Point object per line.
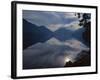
{"type": "Point", "coordinates": [71, 26]}
{"type": "Point", "coordinates": [70, 15]}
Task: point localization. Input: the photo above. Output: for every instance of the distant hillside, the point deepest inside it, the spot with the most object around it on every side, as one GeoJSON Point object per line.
{"type": "Point", "coordinates": [33, 34]}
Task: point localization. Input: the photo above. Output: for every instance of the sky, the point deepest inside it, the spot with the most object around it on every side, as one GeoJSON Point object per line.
{"type": "Point", "coordinates": [52, 20]}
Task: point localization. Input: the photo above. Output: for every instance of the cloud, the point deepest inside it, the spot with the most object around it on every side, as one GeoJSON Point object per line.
{"type": "Point", "coordinates": [71, 26]}
{"type": "Point", "coordinates": [54, 27]}
{"type": "Point", "coordinates": [41, 17]}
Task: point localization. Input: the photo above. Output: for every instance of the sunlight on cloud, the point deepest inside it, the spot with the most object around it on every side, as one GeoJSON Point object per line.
{"type": "Point", "coordinates": [71, 26]}
{"type": "Point", "coordinates": [70, 15]}
{"type": "Point", "coordinates": [54, 27]}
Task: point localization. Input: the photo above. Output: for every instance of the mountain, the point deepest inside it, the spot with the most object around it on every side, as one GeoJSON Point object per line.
{"type": "Point", "coordinates": [78, 34]}
{"type": "Point", "coordinates": [63, 34]}
{"type": "Point", "coordinates": [33, 34]}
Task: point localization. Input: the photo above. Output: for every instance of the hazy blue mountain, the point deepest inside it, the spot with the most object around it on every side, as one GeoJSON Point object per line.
{"type": "Point", "coordinates": [33, 34]}
{"type": "Point", "coordinates": [63, 34]}
{"type": "Point", "coordinates": [78, 34]}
